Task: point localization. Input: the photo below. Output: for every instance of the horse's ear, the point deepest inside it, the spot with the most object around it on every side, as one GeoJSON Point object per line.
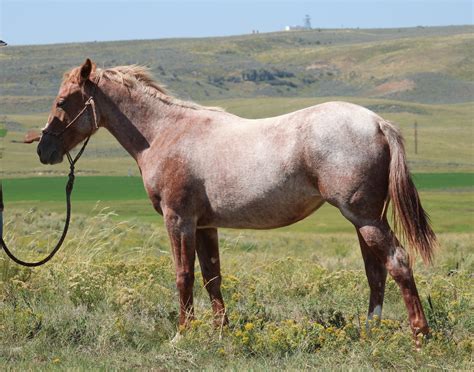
{"type": "Point", "coordinates": [86, 70]}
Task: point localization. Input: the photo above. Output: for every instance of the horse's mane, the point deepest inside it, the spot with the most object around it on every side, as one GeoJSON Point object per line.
{"type": "Point", "coordinates": [140, 78]}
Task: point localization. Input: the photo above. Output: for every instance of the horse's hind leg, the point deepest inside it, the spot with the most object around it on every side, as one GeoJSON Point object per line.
{"type": "Point", "coordinates": [207, 248]}
{"type": "Point", "coordinates": [376, 276]}
{"type": "Point", "coordinates": [379, 238]}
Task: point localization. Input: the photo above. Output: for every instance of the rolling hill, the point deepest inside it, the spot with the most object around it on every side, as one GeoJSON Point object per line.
{"type": "Point", "coordinates": [426, 65]}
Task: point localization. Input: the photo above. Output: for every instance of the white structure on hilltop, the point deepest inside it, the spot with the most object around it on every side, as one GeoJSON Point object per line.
{"type": "Point", "coordinates": [306, 25]}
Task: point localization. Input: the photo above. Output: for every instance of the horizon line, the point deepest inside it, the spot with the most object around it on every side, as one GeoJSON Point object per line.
{"type": "Point", "coordinates": [235, 35]}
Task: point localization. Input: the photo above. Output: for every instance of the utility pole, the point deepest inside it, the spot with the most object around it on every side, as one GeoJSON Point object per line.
{"type": "Point", "coordinates": [1, 210]}
{"type": "Point", "coordinates": [415, 127]}
{"type": "Point", "coordinates": [307, 22]}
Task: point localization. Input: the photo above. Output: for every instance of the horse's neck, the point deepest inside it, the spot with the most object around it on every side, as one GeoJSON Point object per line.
{"type": "Point", "coordinates": [132, 119]}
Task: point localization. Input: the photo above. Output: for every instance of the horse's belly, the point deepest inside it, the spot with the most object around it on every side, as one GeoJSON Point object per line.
{"type": "Point", "coordinates": [277, 207]}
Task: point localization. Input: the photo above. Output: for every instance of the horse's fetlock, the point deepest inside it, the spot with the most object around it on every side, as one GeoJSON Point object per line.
{"type": "Point", "coordinates": [214, 282]}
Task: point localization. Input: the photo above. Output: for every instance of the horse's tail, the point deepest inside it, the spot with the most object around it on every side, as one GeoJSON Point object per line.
{"type": "Point", "coordinates": [409, 218]}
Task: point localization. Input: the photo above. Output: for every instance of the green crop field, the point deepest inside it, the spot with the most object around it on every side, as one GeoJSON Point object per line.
{"type": "Point", "coordinates": [131, 188]}
{"type": "Point", "coordinates": [296, 296]}
{"type": "Point", "coordinates": [448, 198]}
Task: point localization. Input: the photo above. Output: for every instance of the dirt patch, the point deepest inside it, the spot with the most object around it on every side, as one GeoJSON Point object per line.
{"type": "Point", "coordinates": [394, 87]}
{"type": "Point", "coordinates": [318, 66]}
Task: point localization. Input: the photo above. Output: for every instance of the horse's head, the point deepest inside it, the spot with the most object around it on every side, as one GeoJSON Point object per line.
{"type": "Point", "coordinates": [73, 115]}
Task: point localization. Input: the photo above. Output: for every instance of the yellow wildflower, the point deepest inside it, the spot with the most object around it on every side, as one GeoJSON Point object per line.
{"type": "Point", "coordinates": [249, 326]}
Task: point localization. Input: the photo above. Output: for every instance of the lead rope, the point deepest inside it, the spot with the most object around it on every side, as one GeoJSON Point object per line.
{"type": "Point", "coordinates": [69, 187]}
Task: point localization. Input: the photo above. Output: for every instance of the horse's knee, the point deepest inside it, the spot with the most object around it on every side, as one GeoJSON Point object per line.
{"type": "Point", "coordinates": [376, 236]}
{"type": "Point", "coordinates": [381, 241]}
{"type": "Point", "coordinates": [184, 280]}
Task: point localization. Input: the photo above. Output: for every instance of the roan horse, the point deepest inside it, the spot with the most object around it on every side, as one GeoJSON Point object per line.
{"type": "Point", "coordinates": [204, 168]}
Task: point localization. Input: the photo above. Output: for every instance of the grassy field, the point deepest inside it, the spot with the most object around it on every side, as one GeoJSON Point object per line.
{"type": "Point", "coordinates": [295, 300]}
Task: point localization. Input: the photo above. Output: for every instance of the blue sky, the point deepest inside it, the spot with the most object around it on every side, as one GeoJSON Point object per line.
{"type": "Point", "coordinates": [44, 22]}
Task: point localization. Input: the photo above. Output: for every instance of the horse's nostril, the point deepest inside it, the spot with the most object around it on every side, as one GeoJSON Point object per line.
{"type": "Point", "coordinates": [38, 151]}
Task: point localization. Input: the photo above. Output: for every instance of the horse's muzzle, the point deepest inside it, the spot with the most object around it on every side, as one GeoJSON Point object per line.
{"type": "Point", "coordinates": [48, 154]}
{"type": "Point", "coordinates": [52, 158]}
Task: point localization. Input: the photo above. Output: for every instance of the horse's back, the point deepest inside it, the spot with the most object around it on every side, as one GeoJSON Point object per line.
{"type": "Point", "coordinates": [334, 116]}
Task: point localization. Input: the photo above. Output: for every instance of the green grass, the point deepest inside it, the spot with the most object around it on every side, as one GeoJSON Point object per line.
{"type": "Point", "coordinates": [426, 181]}
{"type": "Point", "coordinates": [90, 188]}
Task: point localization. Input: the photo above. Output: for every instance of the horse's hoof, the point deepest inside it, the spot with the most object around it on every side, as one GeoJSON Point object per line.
{"type": "Point", "coordinates": [421, 338]}
{"type": "Point", "coordinates": [418, 343]}
{"type": "Point", "coordinates": [221, 322]}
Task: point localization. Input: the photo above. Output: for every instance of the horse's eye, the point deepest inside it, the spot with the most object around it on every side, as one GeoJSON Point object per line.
{"type": "Point", "coordinates": [60, 103]}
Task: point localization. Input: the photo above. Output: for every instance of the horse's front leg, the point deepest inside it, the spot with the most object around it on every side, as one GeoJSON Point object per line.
{"type": "Point", "coordinates": [207, 247]}
{"type": "Point", "coordinates": [182, 233]}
